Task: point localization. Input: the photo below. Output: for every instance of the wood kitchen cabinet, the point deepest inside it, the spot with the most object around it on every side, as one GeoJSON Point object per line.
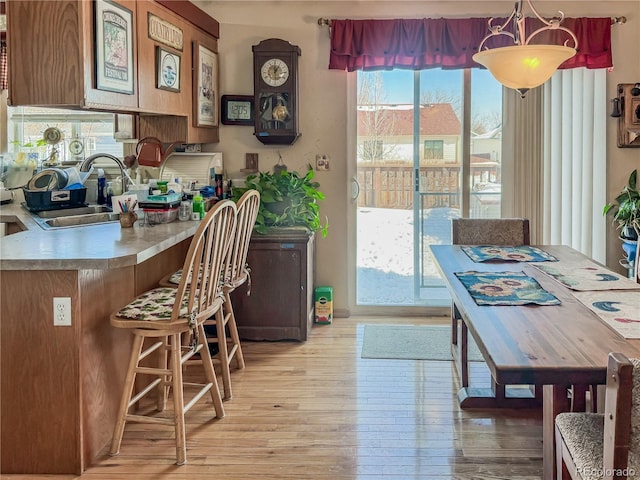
{"type": "Point", "coordinates": [50, 49]}
{"type": "Point", "coordinates": [52, 52]}
{"type": "Point", "coordinates": [61, 385]}
{"type": "Point", "coordinates": [280, 306]}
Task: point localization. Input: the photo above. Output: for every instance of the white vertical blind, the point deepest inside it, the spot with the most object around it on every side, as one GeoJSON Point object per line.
{"type": "Point", "coordinates": [574, 160]}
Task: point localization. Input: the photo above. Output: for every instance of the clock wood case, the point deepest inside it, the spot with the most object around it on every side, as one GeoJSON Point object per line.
{"type": "Point", "coordinates": [275, 80]}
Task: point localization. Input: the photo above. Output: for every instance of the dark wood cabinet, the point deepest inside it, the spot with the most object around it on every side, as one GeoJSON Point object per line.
{"type": "Point", "coordinates": [280, 306]}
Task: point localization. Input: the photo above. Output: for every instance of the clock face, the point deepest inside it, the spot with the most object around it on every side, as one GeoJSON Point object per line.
{"type": "Point", "coordinates": [52, 135]}
{"type": "Point", "coordinates": [76, 147]}
{"type": "Point", "coordinates": [274, 72]}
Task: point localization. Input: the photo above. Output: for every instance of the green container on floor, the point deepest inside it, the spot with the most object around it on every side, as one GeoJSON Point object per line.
{"type": "Point", "coordinates": [324, 305]}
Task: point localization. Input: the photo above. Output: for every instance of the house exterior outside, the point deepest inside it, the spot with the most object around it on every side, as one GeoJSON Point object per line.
{"type": "Point", "coordinates": [385, 157]}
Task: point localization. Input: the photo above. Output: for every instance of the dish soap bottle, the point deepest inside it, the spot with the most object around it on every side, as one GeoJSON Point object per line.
{"type": "Point", "coordinates": [198, 205]}
{"type": "Point", "coordinates": [102, 184]}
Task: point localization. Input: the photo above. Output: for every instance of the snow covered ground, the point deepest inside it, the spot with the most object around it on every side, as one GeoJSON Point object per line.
{"type": "Point", "coordinates": [385, 260]}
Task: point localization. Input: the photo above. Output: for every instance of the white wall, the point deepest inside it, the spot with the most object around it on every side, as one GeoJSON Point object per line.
{"type": "Point", "coordinates": [324, 94]}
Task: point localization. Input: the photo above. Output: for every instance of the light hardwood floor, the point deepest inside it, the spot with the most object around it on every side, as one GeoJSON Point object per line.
{"type": "Point", "coordinates": [316, 410]}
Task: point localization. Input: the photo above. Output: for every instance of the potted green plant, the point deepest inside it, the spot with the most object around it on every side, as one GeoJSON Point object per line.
{"type": "Point", "coordinates": [287, 199]}
{"type": "Point", "coordinates": [626, 209]}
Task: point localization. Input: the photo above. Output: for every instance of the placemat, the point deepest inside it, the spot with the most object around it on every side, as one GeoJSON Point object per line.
{"type": "Point", "coordinates": [585, 276]}
{"type": "Point", "coordinates": [521, 253]}
{"type": "Point", "coordinates": [505, 288]}
{"type": "Point", "coordinates": [620, 310]}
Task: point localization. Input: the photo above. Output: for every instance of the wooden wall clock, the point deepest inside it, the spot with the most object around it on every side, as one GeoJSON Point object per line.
{"type": "Point", "coordinates": [275, 89]}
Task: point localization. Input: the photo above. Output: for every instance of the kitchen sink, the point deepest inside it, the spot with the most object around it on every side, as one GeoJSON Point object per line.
{"type": "Point", "coordinates": [81, 220]}
{"type": "Point", "coordinates": [70, 212]}
{"type": "Point", "coordinates": [75, 217]}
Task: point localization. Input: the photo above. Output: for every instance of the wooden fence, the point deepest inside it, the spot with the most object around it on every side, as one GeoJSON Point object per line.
{"type": "Point", "coordinates": [391, 186]}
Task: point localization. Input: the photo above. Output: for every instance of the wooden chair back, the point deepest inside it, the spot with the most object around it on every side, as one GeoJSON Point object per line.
{"type": "Point", "coordinates": [490, 231]}
{"type": "Point", "coordinates": [200, 287]}
{"type": "Point", "coordinates": [575, 452]}
{"type": "Point", "coordinates": [236, 271]}
{"type": "Point", "coordinates": [619, 399]}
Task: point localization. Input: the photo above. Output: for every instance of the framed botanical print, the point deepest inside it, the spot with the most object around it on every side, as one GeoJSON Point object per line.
{"type": "Point", "coordinates": [114, 47]}
{"type": "Point", "coordinates": [236, 110]}
{"type": "Point", "coordinates": [205, 86]}
{"type": "Point", "coordinates": [167, 70]}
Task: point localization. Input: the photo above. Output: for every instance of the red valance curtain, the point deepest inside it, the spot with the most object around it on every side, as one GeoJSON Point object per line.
{"type": "Point", "coordinates": [450, 43]}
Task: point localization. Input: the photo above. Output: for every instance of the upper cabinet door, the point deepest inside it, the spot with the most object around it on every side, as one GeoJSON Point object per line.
{"type": "Point", "coordinates": [111, 60]}
{"type": "Point", "coordinates": [164, 59]}
{"type": "Point", "coordinates": [52, 50]}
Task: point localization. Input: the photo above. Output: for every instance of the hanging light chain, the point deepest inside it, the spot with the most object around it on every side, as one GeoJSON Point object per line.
{"type": "Point", "coordinates": [519, 36]}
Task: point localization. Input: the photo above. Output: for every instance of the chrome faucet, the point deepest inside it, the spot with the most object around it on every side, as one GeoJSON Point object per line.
{"type": "Point", "coordinates": [86, 165]}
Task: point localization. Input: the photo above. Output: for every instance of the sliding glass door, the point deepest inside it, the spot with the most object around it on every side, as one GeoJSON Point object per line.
{"type": "Point", "coordinates": [413, 158]}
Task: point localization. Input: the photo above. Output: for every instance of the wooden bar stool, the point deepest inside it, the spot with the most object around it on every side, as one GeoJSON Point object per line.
{"type": "Point", "coordinates": [165, 315]}
{"type": "Point", "coordinates": [235, 273]}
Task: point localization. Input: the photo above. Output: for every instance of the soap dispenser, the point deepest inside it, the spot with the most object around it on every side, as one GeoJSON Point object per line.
{"type": "Point", "coordinates": [102, 184]}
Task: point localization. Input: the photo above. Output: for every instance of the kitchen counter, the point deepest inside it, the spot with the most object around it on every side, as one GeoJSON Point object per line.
{"type": "Point", "coordinates": [101, 246]}
{"type": "Point", "coordinates": [64, 381]}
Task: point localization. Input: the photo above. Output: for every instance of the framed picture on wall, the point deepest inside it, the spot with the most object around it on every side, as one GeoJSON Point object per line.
{"type": "Point", "coordinates": [205, 86]}
{"type": "Point", "coordinates": [113, 47]}
{"type": "Point", "coordinates": [236, 110]}
{"type": "Point", "coordinates": [167, 70]}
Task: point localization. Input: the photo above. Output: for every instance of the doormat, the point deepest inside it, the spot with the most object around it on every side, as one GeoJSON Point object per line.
{"type": "Point", "coordinates": [412, 342]}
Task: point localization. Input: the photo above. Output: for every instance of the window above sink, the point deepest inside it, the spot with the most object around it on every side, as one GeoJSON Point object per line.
{"type": "Point", "coordinates": [84, 133]}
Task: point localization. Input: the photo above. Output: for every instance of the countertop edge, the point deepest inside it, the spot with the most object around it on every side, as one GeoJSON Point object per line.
{"type": "Point", "coordinates": [102, 247]}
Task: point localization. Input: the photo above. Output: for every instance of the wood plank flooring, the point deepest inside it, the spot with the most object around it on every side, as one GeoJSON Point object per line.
{"type": "Point", "coordinates": [316, 410]}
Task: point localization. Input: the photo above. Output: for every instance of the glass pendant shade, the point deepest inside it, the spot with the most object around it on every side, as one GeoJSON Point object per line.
{"type": "Point", "coordinates": [523, 67]}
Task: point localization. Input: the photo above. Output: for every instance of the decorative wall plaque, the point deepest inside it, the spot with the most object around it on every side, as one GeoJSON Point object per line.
{"type": "Point", "coordinates": [164, 32]}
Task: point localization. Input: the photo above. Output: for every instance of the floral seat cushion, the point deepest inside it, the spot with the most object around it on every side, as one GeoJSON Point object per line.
{"type": "Point", "coordinates": [154, 305]}
{"type": "Point", "coordinates": [176, 276]}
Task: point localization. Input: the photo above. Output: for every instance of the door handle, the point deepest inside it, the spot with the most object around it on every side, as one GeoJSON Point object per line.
{"type": "Point", "coordinates": [355, 188]}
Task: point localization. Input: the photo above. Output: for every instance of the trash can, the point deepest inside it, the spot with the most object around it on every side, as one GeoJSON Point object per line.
{"type": "Point", "coordinates": [324, 305]}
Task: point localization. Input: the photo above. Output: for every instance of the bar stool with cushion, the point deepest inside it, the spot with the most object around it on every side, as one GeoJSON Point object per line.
{"type": "Point", "coordinates": [165, 315]}
{"type": "Point", "coordinates": [236, 273]}
{"type": "Point", "coordinates": [482, 231]}
{"type": "Point", "coordinates": [595, 445]}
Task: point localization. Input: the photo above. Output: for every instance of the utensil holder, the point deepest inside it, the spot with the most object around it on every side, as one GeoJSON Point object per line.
{"type": "Point", "coordinates": [127, 219]}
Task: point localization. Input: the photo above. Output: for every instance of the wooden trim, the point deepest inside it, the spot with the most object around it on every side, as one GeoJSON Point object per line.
{"type": "Point", "coordinates": [194, 15]}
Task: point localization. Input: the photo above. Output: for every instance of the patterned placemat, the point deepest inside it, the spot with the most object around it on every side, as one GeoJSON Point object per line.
{"type": "Point", "coordinates": [521, 253]}
{"type": "Point", "coordinates": [505, 288]}
{"type": "Point", "coordinates": [584, 276]}
{"type": "Point", "coordinates": [620, 310]}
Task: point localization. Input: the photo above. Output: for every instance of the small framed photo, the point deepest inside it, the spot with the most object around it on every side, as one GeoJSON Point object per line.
{"type": "Point", "coordinates": [113, 47]}
{"type": "Point", "coordinates": [205, 86]}
{"type": "Point", "coordinates": [167, 70]}
{"type": "Point", "coordinates": [237, 110]}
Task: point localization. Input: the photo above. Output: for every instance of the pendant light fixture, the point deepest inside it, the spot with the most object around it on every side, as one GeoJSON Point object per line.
{"type": "Point", "coordinates": [524, 66]}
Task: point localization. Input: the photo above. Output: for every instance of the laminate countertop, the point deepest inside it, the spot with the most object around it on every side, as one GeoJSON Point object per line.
{"type": "Point", "coordinates": [99, 246]}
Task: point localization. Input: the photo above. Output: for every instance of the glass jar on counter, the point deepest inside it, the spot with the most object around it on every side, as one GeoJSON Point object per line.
{"type": "Point", "coordinates": [184, 213]}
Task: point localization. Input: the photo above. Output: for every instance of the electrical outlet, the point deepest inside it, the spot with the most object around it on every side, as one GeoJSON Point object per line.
{"type": "Point", "coordinates": [322, 161]}
{"type": "Point", "coordinates": [62, 311]}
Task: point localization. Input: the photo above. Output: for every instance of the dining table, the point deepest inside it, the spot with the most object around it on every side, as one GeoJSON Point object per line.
{"type": "Point", "coordinates": [558, 348]}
